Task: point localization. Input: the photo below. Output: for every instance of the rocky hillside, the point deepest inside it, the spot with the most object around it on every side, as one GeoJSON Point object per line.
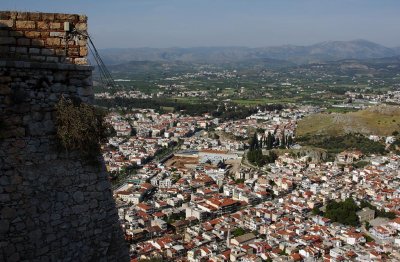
{"type": "Point", "coordinates": [379, 120]}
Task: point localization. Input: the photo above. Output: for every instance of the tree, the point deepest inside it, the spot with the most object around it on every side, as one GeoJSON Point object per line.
{"type": "Point", "coordinates": [254, 142]}
{"type": "Point", "coordinates": [343, 212]}
{"type": "Point", "coordinates": [283, 142]}
{"type": "Point", "coordinates": [238, 232]}
{"type": "Point", "coordinates": [316, 211]}
{"type": "Point", "coordinates": [289, 141]}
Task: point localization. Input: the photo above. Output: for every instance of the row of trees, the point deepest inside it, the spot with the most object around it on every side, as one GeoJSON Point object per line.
{"type": "Point", "coordinates": [224, 111]}
{"type": "Point", "coordinates": [256, 157]}
{"type": "Point", "coordinates": [270, 141]}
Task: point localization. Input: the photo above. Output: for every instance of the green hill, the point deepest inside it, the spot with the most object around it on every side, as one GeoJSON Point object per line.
{"type": "Point", "coordinates": [378, 120]}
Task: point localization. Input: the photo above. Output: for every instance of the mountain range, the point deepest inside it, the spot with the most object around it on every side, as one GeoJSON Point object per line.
{"type": "Point", "coordinates": [325, 51]}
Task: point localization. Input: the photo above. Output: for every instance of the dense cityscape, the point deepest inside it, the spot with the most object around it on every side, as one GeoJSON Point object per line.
{"type": "Point", "coordinates": [200, 131]}
{"type": "Point", "coordinates": [191, 186]}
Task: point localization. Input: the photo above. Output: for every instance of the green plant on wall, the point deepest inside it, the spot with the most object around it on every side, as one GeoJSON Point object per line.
{"type": "Point", "coordinates": [80, 127]}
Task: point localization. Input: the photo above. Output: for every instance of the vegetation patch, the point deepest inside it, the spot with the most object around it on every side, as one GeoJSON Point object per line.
{"type": "Point", "coordinates": [337, 144]}
{"type": "Point", "coordinates": [343, 212]}
{"type": "Point", "coordinates": [80, 127]}
{"type": "Point", "coordinates": [378, 212]}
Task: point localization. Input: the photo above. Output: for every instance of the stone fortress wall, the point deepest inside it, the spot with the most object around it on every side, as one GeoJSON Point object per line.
{"type": "Point", "coordinates": [54, 206]}
{"type": "Point", "coordinates": [43, 37]}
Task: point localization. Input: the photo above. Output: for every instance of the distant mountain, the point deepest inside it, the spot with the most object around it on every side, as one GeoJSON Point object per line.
{"type": "Point", "coordinates": [397, 50]}
{"type": "Point", "coordinates": [325, 51]}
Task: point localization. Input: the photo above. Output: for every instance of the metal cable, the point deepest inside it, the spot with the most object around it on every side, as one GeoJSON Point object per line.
{"type": "Point", "coordinates": [105, 76]}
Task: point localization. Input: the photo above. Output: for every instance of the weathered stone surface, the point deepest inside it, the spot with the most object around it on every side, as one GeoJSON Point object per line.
{"type": "Point", "coordinates": [23, 41]}
{"type": "Point", "coordinates": [4, 226]}
{"type": "Point", "coordinates": [32, 34]}
{"type": "Point", "coordinates": [78, 196]}
{"type": "Point", "coordinates": [53, 41]}
{"type": "Point", "coordinates": [25, 24]}
{"type": "Point", "coordinates": [5, 89]}
{"type": "Point", "coordinates": [8, 212]}
{"type": "Point", "coordinates": [6, 23]}
{"type": "Point", "coordinates": [43, 25]}
{"type": "Point", "coordinates": [55, 25]}
{"type": "Point", "coordinates": [7, 41]}
{"type": "Point", "coordinates": [53, 204]}
{"type": "Point", "coordinates": [81, 26]}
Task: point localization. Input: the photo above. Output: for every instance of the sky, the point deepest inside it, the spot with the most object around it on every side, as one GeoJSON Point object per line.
{"type": "Point", "coordinates": [251, 23]}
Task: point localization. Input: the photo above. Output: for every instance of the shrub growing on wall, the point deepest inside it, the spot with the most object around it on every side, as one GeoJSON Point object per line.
{"type": "Point", "coordinates": [80, 127]}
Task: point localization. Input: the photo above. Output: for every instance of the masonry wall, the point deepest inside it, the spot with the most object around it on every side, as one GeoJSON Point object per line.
{"type": "Point", "coordinates": [54, 205]}
{"type": "Point", "coordinates": [43, 37]}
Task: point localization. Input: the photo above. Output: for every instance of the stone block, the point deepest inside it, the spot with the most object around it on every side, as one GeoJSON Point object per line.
{"type": "Point", "coordinates": [43, 25]}
{"type": "Point", "coordinates": [16, 33]}
{"type": "Point", "coordinates": [5, 79]}
{"type": "Point", "coordinates": [52, 59]}
{"type": "Point", "coordinates": [83, 51]}
{"type": "Point", "coordinates": [81, 26]}
{"type": "Point", "coordinates": [38, 58]}
{"type": "Point", "coordinates": [6, 23]}
{"type": "Point", "coordinates": [4, 49]}
{"type": "Point", "coordinates": [53, 41]}
{"type": "Point", "coordinates": [8, 41]}
{"type": "Point", "coordinates": [73, 51]}
{"type": "Point", "coordinates": [13, 258]}
{"type": "Point", "coordinates": [25, 25]}
{"type": "Point", "coordinates": [47, 17]}
{"type": "Point", "coordinates": [8, 212]}
{"type": "Point", "coordinates": [47, 51]}
{"type": "Point", "coordinates": [37, 42]}
{"type": "Point", "coordinates": [22, 15]}
{"type": "Point", "coordinates": [60, 76]}
{"type": "Point", "coordinates": [69, 43]}
{"type": "Point", "coordinates": [78, 197]}
{"type": "Point", "coordinates": [4, 32]}
{"type": "Point", "coordinates": [57, 87]}
{"type": "Point", "coordinates": [57, 34]}
{"type": "Point", "coordinates": [55, 26]}
{"type": "Point", "coordinates": [21, 50]}
{"type": "Point", "coordinates": [87, 81]}
{"type": "Point", "coordinates": [34, 50]}
{"type": "Point", "coordinates": [82, 42]}
{"type": "Point", "coordinates": [80, 61]}
{"type": "Point", "coordinates": [60, 51]}
{"type": "Point", "coordinates": [32, 34]}
{"type": "Point", "coordinates": [5, 90]}
{"type": "Point", "coordinates": [64, 17]}
{"type": "Point", "coordinates": [24, 41]}
{"type": "Point", "coordinates": [35, 16]}
{"type": "Point", "coordinates": [4, 226]}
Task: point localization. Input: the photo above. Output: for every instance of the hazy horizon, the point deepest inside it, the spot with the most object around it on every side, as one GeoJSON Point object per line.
{"type": "Point", "coordinates": [242, 46]}
{"type": "Point", "coordinates": [229, 23]}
